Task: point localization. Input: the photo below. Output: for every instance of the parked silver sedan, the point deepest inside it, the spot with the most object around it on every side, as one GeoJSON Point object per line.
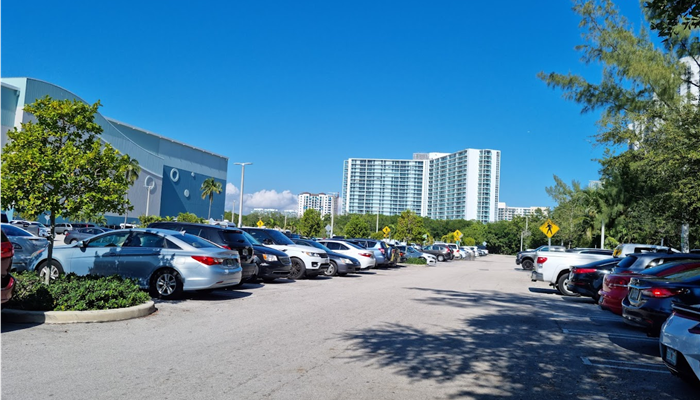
{"type": "Point", "coordinates": [164, 262]}
{"type": "Point", "coordinates": [24, 244]}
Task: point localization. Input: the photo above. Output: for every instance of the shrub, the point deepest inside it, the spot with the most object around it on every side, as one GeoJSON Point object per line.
{"type": "Point", "coordinates": [416, 260]}
{"type": "Point", "coordinates": [75, 293]}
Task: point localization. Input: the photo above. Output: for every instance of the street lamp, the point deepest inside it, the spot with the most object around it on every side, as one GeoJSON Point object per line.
{"type": "Point", "coordinates": [240, 201]}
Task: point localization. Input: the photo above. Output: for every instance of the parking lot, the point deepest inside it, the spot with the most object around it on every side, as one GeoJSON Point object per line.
{"type": "Point", "coordinates": [462, 329]}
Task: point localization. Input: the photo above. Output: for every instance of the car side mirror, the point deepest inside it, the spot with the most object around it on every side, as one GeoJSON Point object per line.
{"type": "Point", "coordinates": [83, 243]}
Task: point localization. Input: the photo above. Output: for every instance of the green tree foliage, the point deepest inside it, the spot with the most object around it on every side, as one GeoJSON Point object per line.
{"type": "Point", "coordinates": [503, 237]}
{"type": "Point", "coordinates": [650, 131]}
{"type": "Point", "coordinates": [133, 169]}
{"type": "Point", "coordinates": [311, 223]}
{"type": "Point", "coordinates": [209, 188]}
{"type": "Point", "coordinates": [189, 217]}
{"type": "Point", "coordinates": [357, 227]}
{"type": "Point", "coordinates": [409, 228]}
{"type": "Point", "coordinates": [57, 163]}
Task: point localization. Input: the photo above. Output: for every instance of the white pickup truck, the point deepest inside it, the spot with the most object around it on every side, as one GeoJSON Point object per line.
{"type": "Point", "coordinates": [554, 266]}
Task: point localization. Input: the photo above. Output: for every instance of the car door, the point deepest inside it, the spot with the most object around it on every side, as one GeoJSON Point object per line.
{"type": "Point", "coordinates": [140, 255]}
{"type": "Point", "coordinates": [98, 256]}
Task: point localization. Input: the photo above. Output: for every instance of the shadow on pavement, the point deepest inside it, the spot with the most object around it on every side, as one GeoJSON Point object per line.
{"type": "Point", "coordinates": [504, 353]}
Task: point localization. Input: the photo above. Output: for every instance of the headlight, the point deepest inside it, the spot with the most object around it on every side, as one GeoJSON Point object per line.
{"type": "Point", "coordinates": [346, 260]}
{"type": "Point", "coordinates": [311, 254]}
{"type": "Point", "coordinates": [269, 257]}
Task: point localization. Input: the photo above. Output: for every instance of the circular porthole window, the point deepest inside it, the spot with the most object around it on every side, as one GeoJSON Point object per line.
{"type": "Point", "coordinates": [187, 193]}
{"type": "Point", "coordinates": [149, 183]}
{"type": "Point", "coordinates": [174, 175]}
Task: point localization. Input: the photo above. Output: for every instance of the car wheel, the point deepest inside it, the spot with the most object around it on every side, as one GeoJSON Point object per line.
{"type": "Point", "coordinates": [561, 285]}
{"type": "Point", "coordinates": [441, 257]}
{"type": "Point", "coordinates": [332, 269]}
{"type": "Point", "coordinates": [166, 284]}
{"type": "Point", "coordinates": [297, 270]}
{"type": "Point", "coordinates": [528, 265]}
{"type": "Point", "coordinates": [56, 269]}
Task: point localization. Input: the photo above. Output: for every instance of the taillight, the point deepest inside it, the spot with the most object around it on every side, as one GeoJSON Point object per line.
{"type": "Point", "coordinates": [616, 281]}
{"type": "Point", "coordinates": [541, 260]}
{"type": "Point", "coordinates": [366, 254]}
{"type": "Point", "coordinates": [7, 250]}
{"type": "Point", "coordinates": [381, 249]}
{"type": "Point", "coordinates": [226, 247]}
{"type": "Point", "coordinates": [661, 292]}
{"type": "Point", "coordinates": [577, 270]}
{"type": "Point", "coordinates": [208, 260]}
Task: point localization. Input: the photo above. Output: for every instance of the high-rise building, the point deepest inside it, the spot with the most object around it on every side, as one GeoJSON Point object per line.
{"type": "Point", "coordinates": [506, 213]}
{"type": "Point", "coordinates": [461, 185]}
{"type": "Point", "coordinates": [322, 202]}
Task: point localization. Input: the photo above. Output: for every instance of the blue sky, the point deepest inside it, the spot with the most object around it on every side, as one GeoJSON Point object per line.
{"type": "Point", "coordinates": [298, 87]}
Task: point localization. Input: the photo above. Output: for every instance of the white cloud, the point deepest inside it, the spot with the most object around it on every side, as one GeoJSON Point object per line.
{"type": "Point", "coordinates": [281, 201]}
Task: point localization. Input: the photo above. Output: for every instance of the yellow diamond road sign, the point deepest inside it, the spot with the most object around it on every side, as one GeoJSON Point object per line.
{"type": "Point", "coordinates": [549, 228]}
{"type": "Point", "coordinates": [458, 234]}
{"type": "Point", "coordinates": [260, 223]}
{"type": "Point", "coordinates": [386, 230]}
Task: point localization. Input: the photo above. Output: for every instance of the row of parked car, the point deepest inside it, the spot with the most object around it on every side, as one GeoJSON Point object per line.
{"type": "Point", "coordinates": [653, 288]}
{"type": "Point", "coordinates": [169, 258]}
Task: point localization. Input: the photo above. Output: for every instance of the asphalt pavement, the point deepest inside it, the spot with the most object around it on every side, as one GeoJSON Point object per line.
{"type": "Point", "coordinates": [459, 330]}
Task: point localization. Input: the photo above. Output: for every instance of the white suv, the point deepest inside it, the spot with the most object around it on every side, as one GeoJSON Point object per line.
{"type": "Point", "coordinates": [306, 261]}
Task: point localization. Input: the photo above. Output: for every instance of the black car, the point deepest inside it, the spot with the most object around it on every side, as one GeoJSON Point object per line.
{"type": "Point", "coordinates": [341, 264]}
{"type": "Point", "coordinates": [649, 301]}
{"type": "Point", "coordinates": [440, 251]}
{"type": "Point", "coordinates": [271, 263]}
{"type": "Point", "coordinates": [587, 279]}
{"type": "Point", "coordinates": [229, 238]}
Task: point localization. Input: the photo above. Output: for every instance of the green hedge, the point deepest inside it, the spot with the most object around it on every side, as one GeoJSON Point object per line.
{"type": "Point", "coordinates": [75, 293]}
{"type": "Point", "coordinates": [417, 260]}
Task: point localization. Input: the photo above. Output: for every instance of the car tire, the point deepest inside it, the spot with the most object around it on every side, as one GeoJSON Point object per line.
{"type": "Point", "coordinates": [298, 269]}
{"type": "Point", "coordinates": [332, 270]}
{"type": "Point", "coordinates": [527, 265]}
{"type": "Point", "coordinates": [441, 257]}
{"type": "Point", "coordinates": [561, 285]}
{"type": "Point", "coordinates": [166, 284]}
{"type": "Point", "coordinates": [56, 269]}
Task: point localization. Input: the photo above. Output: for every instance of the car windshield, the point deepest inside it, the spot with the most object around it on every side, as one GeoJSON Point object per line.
{"type": "Point", "coordinates": [14, 231]}
{"type": "Point", "coordinates": [315, 244]}
{"type": "Point", "coordinates": [251, 239]}
{"type": "Point", "coordinates": [195, 241]}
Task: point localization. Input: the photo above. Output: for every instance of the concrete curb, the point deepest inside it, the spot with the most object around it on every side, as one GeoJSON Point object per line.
{"type": "Point", "coordinates": [72, 317]}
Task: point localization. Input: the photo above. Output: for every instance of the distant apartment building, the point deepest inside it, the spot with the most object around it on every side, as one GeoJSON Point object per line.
{"type": "Point", "coordinates": [321, 202]}
{"type": "Point", "coordinates": [460, 185]}
{"type": "Point", "coordinates": [506, 213]}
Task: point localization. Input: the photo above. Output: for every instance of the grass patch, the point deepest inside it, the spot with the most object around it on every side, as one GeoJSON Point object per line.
{"type": "Point", "coordinates": [75, 293]}
{"type": "Point", "coordinates": [416, 260]}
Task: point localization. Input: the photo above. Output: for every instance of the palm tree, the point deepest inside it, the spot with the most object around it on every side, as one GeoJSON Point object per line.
{"type": "Point", "coordinates": [133, 169]}
{"type": "Point", "coordinates": [209, 188]}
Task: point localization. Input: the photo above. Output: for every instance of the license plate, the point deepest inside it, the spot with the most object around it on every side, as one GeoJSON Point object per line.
{"type": "Point", "coordinates": [671, 356]}
{"type": "Point", "coordinates": [634, 294]}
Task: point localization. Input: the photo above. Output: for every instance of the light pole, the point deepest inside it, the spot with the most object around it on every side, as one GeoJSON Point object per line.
{"type": "Point", "coordinates": [240, 200]}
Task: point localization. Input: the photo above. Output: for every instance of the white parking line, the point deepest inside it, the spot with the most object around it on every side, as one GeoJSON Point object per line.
{"type": "Point", "coordinates": [563, 317]}
{"type": "Point", "coordinates": [600, 362]}
{"type": "Point", "coordinates": [608, 335]}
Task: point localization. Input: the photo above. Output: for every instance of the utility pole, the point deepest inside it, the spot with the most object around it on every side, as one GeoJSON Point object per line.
{"type": "Point", "coordinates": [240, 201]}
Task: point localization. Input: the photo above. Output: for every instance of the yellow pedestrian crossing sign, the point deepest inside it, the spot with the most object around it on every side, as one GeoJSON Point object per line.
{"type": "Point", "coordinates": [458, 234]}
{"type": "Point", "coordinates": [386, 231]}
{"type": "Point", "coordinates": [549, 228]}
{"type": "Point", "coordinates": [260, 223]}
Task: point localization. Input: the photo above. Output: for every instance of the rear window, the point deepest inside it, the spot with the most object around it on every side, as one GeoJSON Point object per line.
{"type": "Point", "coordinates": [234, 236]}
{"type": "Point", "coordinates": [626, 262]}
{"type": "Point", "coordinates": [195, 241]}
{"type": "Point", "coordinates": [14, 231]}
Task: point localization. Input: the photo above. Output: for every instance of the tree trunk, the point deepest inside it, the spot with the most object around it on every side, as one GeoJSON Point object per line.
{"type": "Point", "coordinates": [49, 255]}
